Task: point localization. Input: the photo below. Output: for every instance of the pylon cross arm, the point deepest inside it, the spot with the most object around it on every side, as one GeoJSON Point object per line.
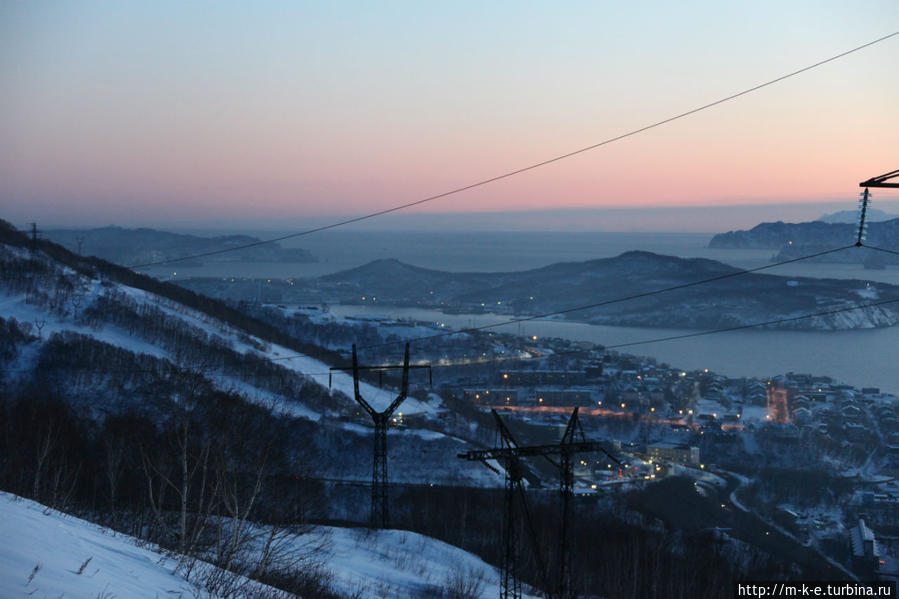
{"type": "Point", "coordinates": [883, 180]}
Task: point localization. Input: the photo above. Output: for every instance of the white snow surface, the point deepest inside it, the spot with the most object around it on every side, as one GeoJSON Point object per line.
{"type": "Point", "coordinates": [15, 306]}
{"type": "Point", "coordinates": [396, 564]}
{"type": "Point", "coordinates": [342, 381]}
{"type": "Point", "coordinates": [59, 544]}
{"type": "Point", "coordinates": [390, 564]}
{"type": "Point", "coordinates": [755, 414]}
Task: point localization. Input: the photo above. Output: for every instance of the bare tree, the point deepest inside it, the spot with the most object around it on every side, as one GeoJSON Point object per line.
{"type": "Point", "coordinates": [181, 464]}
{"type": "Point", "coordinates": [115, 450]}
{"type": "Point", "coordinates": [47, 431]}
{"type": "Point", "coordinates": [76, 300]}
{"type": "Point", "coordinates": [464, 584]}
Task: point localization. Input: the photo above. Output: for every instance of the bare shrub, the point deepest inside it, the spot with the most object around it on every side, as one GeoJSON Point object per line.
{"type": "Point", "coordinates": [34, 572]}
{"type": "Point", "coordinates": [84, 565]}
{"type": "Point", "coordinates": [310, 583]}
{"type": "Point", "coordinates": [464, 584]}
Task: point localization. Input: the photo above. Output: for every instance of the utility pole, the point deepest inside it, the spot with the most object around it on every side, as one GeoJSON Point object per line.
{"type": "Point", "coordinates": [33, 239]}
{"type": "Point", "coordinates": [573, 441]}
{"type": "Point", "coordinates": [865, 201]}
{"type": "Point", "coordinates": [882, 180]}
{"type": "Point", "coordinates": [380, 517]}
{"type": "Point", "coordinates": [510, 583]}
{"type": "Point", "coordinates": [566, 487]}
{"type": "Point", "coordinates": [510, 454]}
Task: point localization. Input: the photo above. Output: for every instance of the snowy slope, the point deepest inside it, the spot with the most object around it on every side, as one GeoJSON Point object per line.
{"type": "Point", "coordinates": [15, 305]}
{"type": "Point", "coordinates": [341, 381]}
{"type": "Point", "coordinates": [395, 564]}
{"type": "Point", "coordinates": [58, 545]}
{"type": "Point", "coordinates": [374, 564]}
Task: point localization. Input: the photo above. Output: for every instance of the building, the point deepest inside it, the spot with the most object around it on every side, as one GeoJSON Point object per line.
{"type": "Point", "coordinates": [682, 454]}
{"type": "Point", "coordinates": [865, 550]}
{"type": "Point", "coordinates": [491, 397]}
{"type": "Point", "coordinates": [778, 403]}
{"type": "Point", "coordinates": [564, 397]}
{"type": "Point", "coordinates": [533, 378]}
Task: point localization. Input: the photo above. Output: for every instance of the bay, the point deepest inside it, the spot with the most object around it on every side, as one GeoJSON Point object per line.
{"type": "Point", "coordinates": [858, 357]}
{"type": "Point", "coordinates": [862, 358]}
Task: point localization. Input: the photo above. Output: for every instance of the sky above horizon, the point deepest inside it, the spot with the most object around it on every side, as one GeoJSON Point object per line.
{"type": "Point", "coordinates": [222, 113]}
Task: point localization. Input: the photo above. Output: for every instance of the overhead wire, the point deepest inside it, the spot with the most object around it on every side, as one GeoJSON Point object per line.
{"type": "Point", "coordinates": [597, 304]}
{"type": "Point", "coordinates": [603, 303]}
{"type": "Point", "coordinates": [879, 249]}
{"type": "Point", "coordinates": [523, 169]}
{"type": "Point", "coordinates": [518, 358]}
{"type": "Point", "coordinates": [614, 300]}
{"type": "Point", "coordinates": [746, 326]}
{"type": "Point", "coordinates": [735, 273]}
{"type": "Point", "coordinates": [616, 346]}
{"type": "Point", "coordinates": [718, 331]}
{"type": "Point", "coordinates": [466, 330]}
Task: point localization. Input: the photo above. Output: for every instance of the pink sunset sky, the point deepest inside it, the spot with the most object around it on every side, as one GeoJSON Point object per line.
{"type": "Point", "coordinates": [173, 113]}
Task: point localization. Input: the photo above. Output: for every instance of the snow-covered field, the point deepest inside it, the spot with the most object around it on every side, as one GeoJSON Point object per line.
{"type": "Point", "coordinates": [45, 554]}
{"type": "Point", "coordinates": [409, 441]}
{"type": "Point", "coordinates": [49, 554]}
{"type": "Point", "coordinates": [396, 564]}
{"type": "Point", "coordinates": [16, 306]}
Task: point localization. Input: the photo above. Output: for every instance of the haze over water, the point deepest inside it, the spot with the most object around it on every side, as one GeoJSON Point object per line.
{"type": "Point", "coordinates": [862, 358]}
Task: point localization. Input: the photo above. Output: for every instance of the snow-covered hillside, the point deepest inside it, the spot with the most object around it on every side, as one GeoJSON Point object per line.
{"type": "Point", "coordinates": [46, 553]}
{"type": "Point", "coordinates": [49, 554]}
{"type": "Point", "coordinates": [55, 306]}
{"type": "Point", "coordinates": [395, 564]}
{"type": "Point", "coordinates": [87, 290]}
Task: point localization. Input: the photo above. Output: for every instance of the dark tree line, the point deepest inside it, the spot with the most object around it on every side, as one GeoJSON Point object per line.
{"type": "Point", "coordinates": [615, 551]}
{"type": "Point", "coordinates": [197, 474]}
{"type": "Point", "coordinates": [153, 449]}
{"type": "Point", "coordinates": [99, 373]}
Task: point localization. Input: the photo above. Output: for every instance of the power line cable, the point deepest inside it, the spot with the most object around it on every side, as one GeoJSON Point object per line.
{"type": "Point", "coordinates": [688, 335]}
{"type": "Point", "coordinates": [582, 307]}
{"type": "Point", "coordinates": [757, 324]}
{"type": "Point", "coordinates": [597, 304]}
{"type": "Point", "coordinates": [502, 359]}
{"type": "Point", "coordinates": [874, 247]}
{"type": "Point", "coordinates": [524, 169]}
{"type": "Point", "coordinates": [614, 300]}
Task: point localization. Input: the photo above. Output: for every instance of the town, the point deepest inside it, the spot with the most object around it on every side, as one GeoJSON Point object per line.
{"type": "Point", "coordinates": [815, 460]}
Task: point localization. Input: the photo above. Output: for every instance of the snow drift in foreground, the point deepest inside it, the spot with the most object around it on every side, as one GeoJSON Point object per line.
{"type": "Point", "coordinates": [49, 554]}
{"type": "Point", "coordinates": [397, 564]}
{"type": "Point", "coordinates": [45, 554]}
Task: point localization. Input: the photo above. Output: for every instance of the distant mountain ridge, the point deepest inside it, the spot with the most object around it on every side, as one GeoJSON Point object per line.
{"type": "Point", "coordinates": [107, 340]}
{"type": "Point", "coordinates": [139, 246]}
{"type": "Point", "coordinates": [798, 239]}
{"type": "Point", "coordinates": [851, 216]}
{"type": "Point", "coordinates": [730, 301]}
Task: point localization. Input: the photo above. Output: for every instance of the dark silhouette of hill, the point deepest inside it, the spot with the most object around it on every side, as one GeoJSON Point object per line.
{"type": "Point", "coordinates": [213, 307]}
{"type": "Point", "coordinates": [798, 239]}
{"type": "Point", "coordinates": [732, 301]}
{"type": "Point", "coordinates": [140, 246]}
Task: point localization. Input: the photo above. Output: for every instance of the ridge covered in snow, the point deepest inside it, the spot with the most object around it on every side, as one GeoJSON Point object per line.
{"type": "Point", "coordinates": [50, 554]}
